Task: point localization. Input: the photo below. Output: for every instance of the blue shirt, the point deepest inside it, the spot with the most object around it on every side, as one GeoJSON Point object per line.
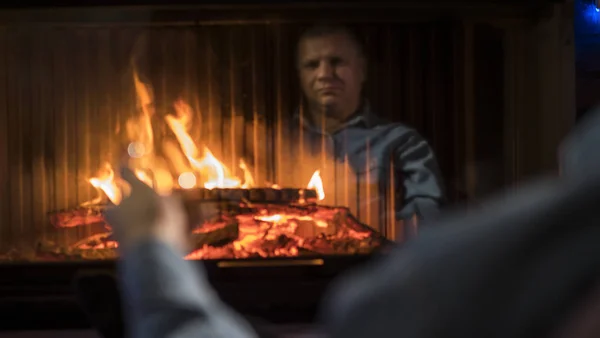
{"type": "Point", "coordinates": [383, 172]}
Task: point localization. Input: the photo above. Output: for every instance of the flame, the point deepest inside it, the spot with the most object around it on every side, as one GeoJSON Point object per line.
{"type": "Point", "coordinates": [142, 176]}
{"type": "Point", "coordinates": [139, 128]}
{"type": "Point", "coordinates": [285, 218]}
{"type": "Point", "coordinates": [107, 184]}
{"type": "Point", "coordinates": [218, 175]}
{"type": "Point", "coordinates": [317, 184]}
{"type": "Point", "coordinates": [248, 179]}
{"type": "Point", "coordinates": [185, 163]}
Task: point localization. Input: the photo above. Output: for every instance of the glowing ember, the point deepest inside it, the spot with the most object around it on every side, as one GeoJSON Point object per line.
{"type": "Point", "coordinates": [289, 231]}
{"type": "Point", "coordinates": [244, 231]}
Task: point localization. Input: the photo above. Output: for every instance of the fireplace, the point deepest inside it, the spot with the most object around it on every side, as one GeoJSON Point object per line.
{"type": "Point", "coordinates": [200, 99]}
{"type": "Point", "coordinates": [205, 121]}
{"type": "Point", "coordinates": [199, 109]}
{"type": "Point", "coordinates": [241, 213]}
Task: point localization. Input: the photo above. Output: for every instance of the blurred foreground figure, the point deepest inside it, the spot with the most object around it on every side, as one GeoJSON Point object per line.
{"type": "Point", "coordinates": [527, 265]}
{"type": "Point", "coordinates": [164, 295]}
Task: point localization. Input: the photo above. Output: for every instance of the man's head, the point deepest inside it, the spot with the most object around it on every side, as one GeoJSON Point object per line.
{"type": "Point", "coordinates": [332, 69]}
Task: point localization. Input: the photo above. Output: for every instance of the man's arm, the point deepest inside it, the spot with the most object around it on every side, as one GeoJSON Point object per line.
{"type": "Point", "coordinates": [419, 173]}
{"type": "Point", "coordinates": [166, 296]}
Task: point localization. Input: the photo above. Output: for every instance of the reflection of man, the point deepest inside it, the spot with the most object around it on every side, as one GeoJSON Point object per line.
{"type": "Point", "coordinates": [337, 119]}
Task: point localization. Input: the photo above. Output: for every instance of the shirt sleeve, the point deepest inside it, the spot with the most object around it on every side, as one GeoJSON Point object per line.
{"type": "Point", "coordinates": [418, 170]}
{"type": "Point", "coordinates": [167, 296]}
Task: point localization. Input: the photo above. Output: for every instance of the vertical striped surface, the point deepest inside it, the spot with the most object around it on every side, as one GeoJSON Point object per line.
{"type": "Point", "coordinates": [66, 91]}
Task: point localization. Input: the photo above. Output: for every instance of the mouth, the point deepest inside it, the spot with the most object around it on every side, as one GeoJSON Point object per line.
{"type": "Point", "coordinates": [330, 91]}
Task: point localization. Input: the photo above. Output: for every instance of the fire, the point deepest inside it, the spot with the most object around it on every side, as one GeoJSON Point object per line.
{"type": "Point", "coordinates": [285, 218]}
{"type": "Point", "coordinates": [284, 231]}
{"type": "Point", "coordinates": [107, 184]}
{"type": "Point", "coordinates": [317, 184]}
{"type": "Point", "coordinates": [183, 165]}
{"type": "Point", "coordinates": [266, 221]}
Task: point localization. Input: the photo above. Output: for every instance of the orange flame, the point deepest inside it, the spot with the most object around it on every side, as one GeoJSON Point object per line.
{"type": "Point", "coordinates": [192, 168]}
{"type": "Point", "coordinates": [283, 218]}
{"type": "Point", "coordinates": [317, 184]}
{"type": "Point", "coordinates": [106, 183]}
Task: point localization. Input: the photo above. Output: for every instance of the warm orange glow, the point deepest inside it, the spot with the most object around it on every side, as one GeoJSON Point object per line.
{"type": "Point", "coordinates": [285, 218]}
{"type": "Point", "coordinates": [248, 179]}
{"type": "Point", "coordinates": [186, 163]}
{"type": "Point", "coordinates": [142, 176]}
{"type": "Point", "coordinates": [136, 149]}
{"type": "Point", "coordinates": [187, 180]}
{"type": "Point", "coordinates": [317, 184]}
{"type": "Point", "coordinates": [218, 173]}
{"type": "Point", "coordinates": [281, 231]}
{"type": "Point", "coordinates": [106, 183]}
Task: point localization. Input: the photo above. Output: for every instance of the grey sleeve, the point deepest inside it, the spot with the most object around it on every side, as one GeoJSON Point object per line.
{"type": "Point", "coordinates": [379, 300]}
{"type": "Point", "coordinates": [418, 170]}
{"type": "Point", "coordinates": [167, 296]}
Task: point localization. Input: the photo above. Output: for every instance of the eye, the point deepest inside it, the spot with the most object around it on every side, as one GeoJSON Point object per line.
{"type": "Point", "coordinates": [336, 61]}
{"type": "Point", "coordinates": [313, 64]}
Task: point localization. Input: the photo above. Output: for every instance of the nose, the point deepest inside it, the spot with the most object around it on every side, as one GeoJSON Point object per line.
{"type": "Point", "coordinates": [325, 70]}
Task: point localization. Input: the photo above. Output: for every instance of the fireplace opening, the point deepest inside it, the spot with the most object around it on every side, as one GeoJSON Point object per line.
{"type": "Point", "coordinates": [200, 110]}
{"type": "Point", "coordinates": [235, 211]}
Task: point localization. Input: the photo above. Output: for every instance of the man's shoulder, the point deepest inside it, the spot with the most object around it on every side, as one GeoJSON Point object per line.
{"type": "Point", "coordinates": [395, 130]}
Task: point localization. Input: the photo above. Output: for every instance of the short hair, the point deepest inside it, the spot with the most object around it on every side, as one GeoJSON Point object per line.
{"type": "Point", "coordinates": [320, 30]}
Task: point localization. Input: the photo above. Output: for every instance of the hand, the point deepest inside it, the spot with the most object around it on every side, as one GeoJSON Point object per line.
{"type": "Point", "coordinates": [145, 215]}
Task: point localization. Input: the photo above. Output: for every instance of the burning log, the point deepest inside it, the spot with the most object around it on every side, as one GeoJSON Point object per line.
{"type": "Point", "coordinates": [79, 216]}
{"type": "Point", "coordinates": [99, 246]}
{"type": "Point", "coordinates": [215, 235]}
{"type": "Point", "coordinates": [312, 228]}
{"type": "Point", "coordinates": [293, 230]}
{"type": "Point", "coordinates": [234, 228]}
{"type": "Point", "coordinates": [253, 195]}
{"type": "Point", "coordinates": [92, 215]}
{"type": "Point", "coordinates": [103, 245]}
{"type": "Point", "coordinates": [98, 241]}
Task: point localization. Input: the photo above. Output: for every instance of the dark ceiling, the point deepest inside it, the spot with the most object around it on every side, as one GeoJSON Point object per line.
{"type": "Point", "coordinates": [225, 3]}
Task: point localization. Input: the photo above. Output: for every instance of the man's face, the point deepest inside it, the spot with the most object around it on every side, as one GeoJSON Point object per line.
{"type": "Point", "coordinates": [331, 72]}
